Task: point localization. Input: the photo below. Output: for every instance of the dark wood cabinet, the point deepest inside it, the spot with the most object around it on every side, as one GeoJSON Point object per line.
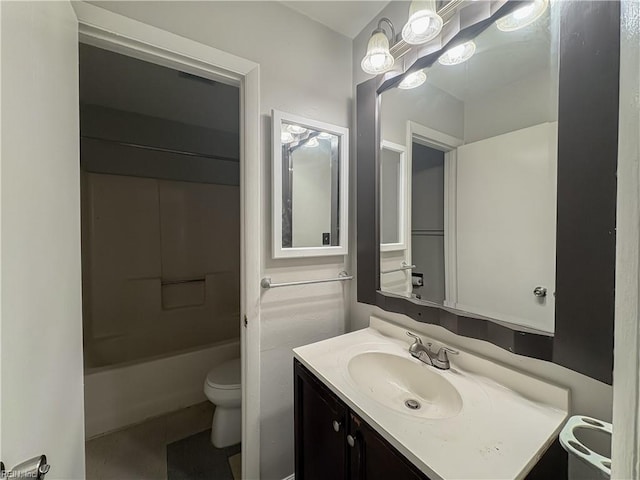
{"type": "Point", "coordinates": [332, 442]}
{"type": "Point", "coordinates": [320, 424]}
{"type": "Point", "coordinates": [373, 458]}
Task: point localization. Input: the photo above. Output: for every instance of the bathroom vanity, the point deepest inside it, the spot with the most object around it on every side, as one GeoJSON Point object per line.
{"type": "Point", "coordinates": [366, 409]}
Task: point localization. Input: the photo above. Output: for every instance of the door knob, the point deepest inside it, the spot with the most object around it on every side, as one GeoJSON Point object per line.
{"type": "Point", "coordinates": [336, 426]}
{"type": "Point", "coordinates": [351, 440]}
{"type": "Point", "coordinates": [35, 468]}
{"type": "Point", "coordinates": [540, 292]}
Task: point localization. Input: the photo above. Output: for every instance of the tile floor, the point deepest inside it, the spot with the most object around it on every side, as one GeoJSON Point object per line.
{"type": "Point", "coordinates": [139, 452]}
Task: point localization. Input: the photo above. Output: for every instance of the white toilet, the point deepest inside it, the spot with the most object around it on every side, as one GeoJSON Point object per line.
{"type": "Point", "coordinates": [222, 388]}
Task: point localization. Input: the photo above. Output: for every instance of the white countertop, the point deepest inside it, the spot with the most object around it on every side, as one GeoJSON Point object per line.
{"type": "Point", "coordinates": [507, 421]}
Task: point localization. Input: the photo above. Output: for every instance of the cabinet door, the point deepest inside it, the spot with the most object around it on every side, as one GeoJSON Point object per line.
{"type": "Point", "coordinates": [371, 457]}
{"type": "Point", "coordinates": [320, 419]}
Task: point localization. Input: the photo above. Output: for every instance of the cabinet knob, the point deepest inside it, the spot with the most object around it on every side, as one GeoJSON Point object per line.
{"type": "Point", "coordinates": [336, 426]}
{"type": "Point", "coordinates": [351, 440]}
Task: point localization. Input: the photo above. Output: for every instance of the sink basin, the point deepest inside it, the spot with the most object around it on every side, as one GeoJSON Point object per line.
{"type": "Point", "coordinates": [404, 385]}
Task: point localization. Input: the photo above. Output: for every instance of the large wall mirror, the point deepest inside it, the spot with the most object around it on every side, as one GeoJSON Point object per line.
{"type": "Point", "coordinates": [481, 141]}
{"type": "Point", "coordinates": [310, 187]}
{"type": "Point", "coordinates": [507, 207]}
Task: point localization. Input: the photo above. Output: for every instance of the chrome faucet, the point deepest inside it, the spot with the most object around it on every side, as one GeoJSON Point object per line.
{"type": "Point", "coordinates": [426, 355]}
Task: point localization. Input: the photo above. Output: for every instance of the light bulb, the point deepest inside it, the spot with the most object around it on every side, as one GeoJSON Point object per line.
{"type": "Point", "coordinates": [523, 12]}
{"type": "Point", "coordinates": [424, 23]}
{"type": "Point", "coordinates": [312, 143]}
{"type": "Point", "coordinates": [297, 129]}
{"type": "Point", "coordinates": [456, 51]}
{"type": "Point", "coordinates": [286, 137]}
{"type": "Point", "coordinates": [420, 25]}
{"type": "Point", "coordinates": [458, 54]}
{"type": "Point", "coordinates": [523, 16]}
{"type": "Point", "coordinates": [377, 60]}
{"type": "Point", "coordinates": [413, 80]}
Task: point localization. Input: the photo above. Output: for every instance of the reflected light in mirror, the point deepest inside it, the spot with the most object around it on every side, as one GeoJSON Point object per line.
{"type": "Point", "coordinates": [523, 16]}
{"type": "Point", "coordinates": [297, 129]}
{"type": "Point", "coordinates": [325, 135]}
{"type": "Point", "coordinates": [458, 54]}
{"type": "Point", "coordinates": [312, 143]}
{"type": "Point", "coordinates": [413, 80]}
{"type": "Point", "coordinates": [286, 137]}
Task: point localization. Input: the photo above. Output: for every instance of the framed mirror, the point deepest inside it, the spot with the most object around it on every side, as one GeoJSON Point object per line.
{"type": "Point", "coordinates": [310, 189]}
{"type": "Point", "coordinates": [512, 183]}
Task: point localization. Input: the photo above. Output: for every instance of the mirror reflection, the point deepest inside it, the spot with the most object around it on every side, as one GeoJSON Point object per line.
{"type": "Point", "coordinates": [310, 213]}
{"type": "Point", "coordinates": [479, 128]}
{"type": "Point", "coordinates": [393, 178]}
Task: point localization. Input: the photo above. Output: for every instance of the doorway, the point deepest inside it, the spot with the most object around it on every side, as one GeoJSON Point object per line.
{"type": "Point", "coordinates": [115, 33]}
{"type": "Point", "coordinates": [160, 197]}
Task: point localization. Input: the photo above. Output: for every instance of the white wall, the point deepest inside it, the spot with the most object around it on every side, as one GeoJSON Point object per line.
{"type": "Point", "coordinates": [588, 396]}
{"type": "Point", "coordinates": [42, 408]}
{"type": "Point", "coordinates": [305, 69]}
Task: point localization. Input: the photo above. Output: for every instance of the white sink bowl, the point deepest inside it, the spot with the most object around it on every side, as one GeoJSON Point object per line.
{"type": "Point", "coordinates": [402, 384]}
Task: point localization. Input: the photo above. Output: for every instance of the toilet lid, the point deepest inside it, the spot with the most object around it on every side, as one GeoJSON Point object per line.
{"type": "Point", "coordinates": [225, 376]}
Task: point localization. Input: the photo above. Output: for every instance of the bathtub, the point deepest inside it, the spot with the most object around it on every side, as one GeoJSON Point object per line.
{"type": "Point", "coordinates": [119, 395]}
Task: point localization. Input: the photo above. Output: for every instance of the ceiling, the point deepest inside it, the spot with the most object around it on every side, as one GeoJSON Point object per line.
{"type": "Point", "coordinates": [343, 16]}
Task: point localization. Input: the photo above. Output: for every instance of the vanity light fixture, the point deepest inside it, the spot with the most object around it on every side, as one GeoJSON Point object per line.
{"type": "Point", "coordinates": [286, 137]}
{"type": "Point", "coordinates": [523, 16]}
{"type": "Point", "coordinates": [424, 23]}
{"type": "Point", "coordinates": [296, 129]}
{"type": "Point", "coordinates": [413, 80]}
{"type": "Point", "coordinates": [378, 58]}
{"type": "Point", "coordinates": [458, 54]}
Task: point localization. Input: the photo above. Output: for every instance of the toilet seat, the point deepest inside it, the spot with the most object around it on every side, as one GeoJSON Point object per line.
{"type": "Point", "coordinates": [225, 376]}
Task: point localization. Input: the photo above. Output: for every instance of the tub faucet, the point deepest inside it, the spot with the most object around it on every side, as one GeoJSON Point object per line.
{"type": "Point", "coordinates": [426, 355]}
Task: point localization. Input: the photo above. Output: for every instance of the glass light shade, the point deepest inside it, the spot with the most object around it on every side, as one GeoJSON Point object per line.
{"type": "Point", "coordinates": [459, 54]}
{"type": "Point", "coordinates": [325, 135]}
{"type": "Point", "coordinates": [378, 58]}
{"type": "Point", "coordinates": [424, 23]}
{"type": "Point", "coordinates": [523, 16]}
{"type": "Point", "coordinates": [312, 143]}
{"type": "Point", "coordinates": [413, 80]}
{"type": "Point", "coordinates": [286, 137]}
{"type": "Point", "coordinates": [296, 129]}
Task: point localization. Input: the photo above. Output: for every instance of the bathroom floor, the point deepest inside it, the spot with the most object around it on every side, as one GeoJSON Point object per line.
{"type": "Point", "coordinates": [174, 446]}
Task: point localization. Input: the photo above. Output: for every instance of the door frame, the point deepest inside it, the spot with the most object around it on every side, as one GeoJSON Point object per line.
{"type": "Point", "coordinates": [447, 144]}
{"type": "Point", "coordinates": [626, 367]}
{"type": "Point", "coordinates": [105, 29]}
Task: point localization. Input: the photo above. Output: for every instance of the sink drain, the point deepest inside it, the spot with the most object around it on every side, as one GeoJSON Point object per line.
{"type": "Point", "coordinates": [412, 404]}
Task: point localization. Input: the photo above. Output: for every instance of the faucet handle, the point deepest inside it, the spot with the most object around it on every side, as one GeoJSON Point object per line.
{"type": "Point", "coordinates": [416, 338]}
{"type": "Point", "coordinates": [442, 353]}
